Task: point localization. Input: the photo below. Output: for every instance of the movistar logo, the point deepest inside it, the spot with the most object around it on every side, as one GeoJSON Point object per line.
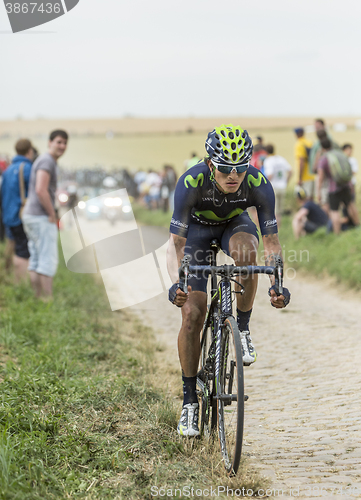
{"type": "Point", "coordinates": [192, 181]}
{"type": "Point", "coordinates": [256, 181]}
{"type": "Point", "coordinates": [209, 214]}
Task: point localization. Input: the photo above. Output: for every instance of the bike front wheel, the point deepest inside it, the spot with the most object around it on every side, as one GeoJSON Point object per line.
{"type": "Point", "coordinates": [205, 384]}
{"type": "Point", "coordinates": [230, 396]}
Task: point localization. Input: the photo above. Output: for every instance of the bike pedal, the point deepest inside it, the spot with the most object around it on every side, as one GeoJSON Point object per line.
{"type": "Point", "coordinates": [246, 397]}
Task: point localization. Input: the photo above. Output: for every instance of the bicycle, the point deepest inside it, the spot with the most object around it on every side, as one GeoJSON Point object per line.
{"type": "Point", "coordinates": [220, 383]}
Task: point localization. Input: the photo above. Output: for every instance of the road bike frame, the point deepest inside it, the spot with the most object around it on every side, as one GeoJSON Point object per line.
{"type": "Point", "coordinates": [214, 391]}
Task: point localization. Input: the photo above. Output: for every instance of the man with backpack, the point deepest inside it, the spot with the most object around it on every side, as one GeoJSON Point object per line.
{"type": "Point", "coordinates": [14, 190]}
{"type": "Point", "coordinates": [334, 166]}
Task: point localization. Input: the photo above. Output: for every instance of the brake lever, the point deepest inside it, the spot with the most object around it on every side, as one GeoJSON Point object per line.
{"type": "Point", "coordinates": [278, 276]}
{"type": "Point", "coordinates": [183, 272]}
{"type": "Point", "coordinates": [242, 289]}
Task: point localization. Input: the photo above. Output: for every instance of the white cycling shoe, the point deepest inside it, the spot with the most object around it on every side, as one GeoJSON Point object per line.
{"type": "Point", "coordinates": [249, 352]}
{"type": "Point", "coordinates": [188, 422]}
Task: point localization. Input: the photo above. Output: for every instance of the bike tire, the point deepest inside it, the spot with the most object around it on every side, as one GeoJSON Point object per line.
{"type": "Point", "coordinates": [206, 388]}
{"type": "Point", "coordinates": [231, 381]}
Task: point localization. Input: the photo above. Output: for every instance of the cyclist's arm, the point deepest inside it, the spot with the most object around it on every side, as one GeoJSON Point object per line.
{"type": "Point", "coordinates": [185, 197]}
{"type": "Point", "coordinates": [264, 200]}
{"type": "Point", "coordinates": [273, 251]}
{"type": "Point", "coordinates": [175, 253]}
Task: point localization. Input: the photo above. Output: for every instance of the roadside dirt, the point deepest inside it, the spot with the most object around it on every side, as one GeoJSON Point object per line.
{"type": "Point", "coordinates": [303, 419]}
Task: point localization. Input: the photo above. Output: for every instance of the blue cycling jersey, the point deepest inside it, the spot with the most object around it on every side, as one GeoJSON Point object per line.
{"type": "Point", "coordinates": [198, 200]}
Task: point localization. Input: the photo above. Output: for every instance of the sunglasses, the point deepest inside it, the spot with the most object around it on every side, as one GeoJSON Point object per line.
{"type": "Point", "coordinates": [228, 169]}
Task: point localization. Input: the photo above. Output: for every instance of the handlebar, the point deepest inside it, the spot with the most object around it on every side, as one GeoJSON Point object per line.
{"type": "Point", "coordinates": [228, 271]}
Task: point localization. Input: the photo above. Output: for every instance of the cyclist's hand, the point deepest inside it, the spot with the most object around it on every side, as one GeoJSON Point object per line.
{"type": "Point", "coordinates": [279, 301]}
{"type": "Point", "coordinates": [177, 296]}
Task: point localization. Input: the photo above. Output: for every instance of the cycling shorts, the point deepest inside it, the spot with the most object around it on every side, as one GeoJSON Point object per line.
{"type": "Point", "coordinates": [200, 236]}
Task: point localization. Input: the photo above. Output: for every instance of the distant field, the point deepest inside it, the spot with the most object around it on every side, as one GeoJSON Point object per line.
{"type": "Point", "coordinates": [156, 149]}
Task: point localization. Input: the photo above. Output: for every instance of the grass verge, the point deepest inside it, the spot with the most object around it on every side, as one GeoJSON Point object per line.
{"type": "Point", "coordinates": [151, 217]}
{"type": "Point", "coordinates": [78, 416]}
{"type": "Point", "coordinates": [324, 254]}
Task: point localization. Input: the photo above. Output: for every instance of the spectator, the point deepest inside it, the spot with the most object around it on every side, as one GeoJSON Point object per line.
{"type": "Point", "coordinates": [7, 236]}
{"type": "Point", "coordinates": [316, 149]}
{"type": "Point", "coordinates": [302, 149]}
{"type": "Point", "coordinates": [309, 217]}
{"type": "Point", "coordinates": [279, 172]}
{"type": "Point", "coordinates": [324, 187]}
{"type": "Point", "coordinates": [347, 150]}
{"type": "Point", "coordinates": [153, 181]}
{"type": "Point", "coordinates": [259, 154]}
{"type": "Point", "coordinates": [14, 189]}
{"type": "Point", "coordinates": [4, 163]}
{"type": "Point", "coordinates": [332, 165]}
{"type": "Point", "coordinates": [169, 181]}
{"type": "Point", "coordinates": [192, 161]}
{"type": "Point", "coordinates": [259, 146]}
{"type": "Point", "coordinates": [39, 216]}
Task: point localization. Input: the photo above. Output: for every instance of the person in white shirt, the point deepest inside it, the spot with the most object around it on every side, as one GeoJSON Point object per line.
{"type": "Point", "coordinates": [279, 172]}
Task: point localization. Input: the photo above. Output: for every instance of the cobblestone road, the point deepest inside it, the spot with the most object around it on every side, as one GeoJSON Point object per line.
{"type": "Point", "coordinates": [303, 416]}
{"type": "Point", "coordinates": [303, 419]}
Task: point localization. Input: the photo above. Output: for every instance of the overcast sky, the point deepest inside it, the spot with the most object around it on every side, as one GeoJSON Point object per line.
{"type": "Point", "coordinates": [109, 58]}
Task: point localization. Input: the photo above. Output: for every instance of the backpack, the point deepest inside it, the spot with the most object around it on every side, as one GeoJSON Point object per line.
{"type": "Point", "coordinates": [339, 166]}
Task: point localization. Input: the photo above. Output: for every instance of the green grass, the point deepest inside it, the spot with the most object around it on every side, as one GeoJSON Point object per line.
{"type": "Point", "coordinates": [324, 254]}
{"type": "Point", "coordinates": [151, 217]}
{"type": "Point", "coordinates": [78, 415]}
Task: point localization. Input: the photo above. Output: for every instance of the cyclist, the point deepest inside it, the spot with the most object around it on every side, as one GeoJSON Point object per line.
{"type": "Point", "coordinates": [211, 201]}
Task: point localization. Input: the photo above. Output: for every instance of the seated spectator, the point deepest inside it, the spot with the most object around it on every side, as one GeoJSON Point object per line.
{"type": "Point", "coordinates": [309, 217]}
{"type": "Point", "coordinates": [279, 172]}
{"type": "Point", "coordinates": [14, 189]}
{"type": "Point", "coordinates": [334, 166]}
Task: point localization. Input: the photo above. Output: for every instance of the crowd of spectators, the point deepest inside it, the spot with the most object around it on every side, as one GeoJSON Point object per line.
{"type": "Point", "coordinates": [155, 190]}
{"type": "Point", "coordinates": [326, 179]}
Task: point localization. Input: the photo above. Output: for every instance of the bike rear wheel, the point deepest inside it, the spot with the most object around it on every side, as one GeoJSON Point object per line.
{"type": "Point", "coordinates": [230, 393]}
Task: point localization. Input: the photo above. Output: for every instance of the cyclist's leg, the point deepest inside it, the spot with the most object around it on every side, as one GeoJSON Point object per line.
{"type": "Point", "coordinates": [194, 310]}
{"type": "Point", "coordinates": [240, 241]}
{"type": "Point", "coordinates": [193, 314]}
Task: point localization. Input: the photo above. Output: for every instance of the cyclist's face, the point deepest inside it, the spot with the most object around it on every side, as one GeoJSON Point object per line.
{"type": "Point", "coordinates": [228, 183]}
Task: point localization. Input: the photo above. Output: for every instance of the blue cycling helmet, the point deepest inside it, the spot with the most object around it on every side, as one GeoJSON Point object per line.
{"type": "Point", "coordinates": [229, 146]}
